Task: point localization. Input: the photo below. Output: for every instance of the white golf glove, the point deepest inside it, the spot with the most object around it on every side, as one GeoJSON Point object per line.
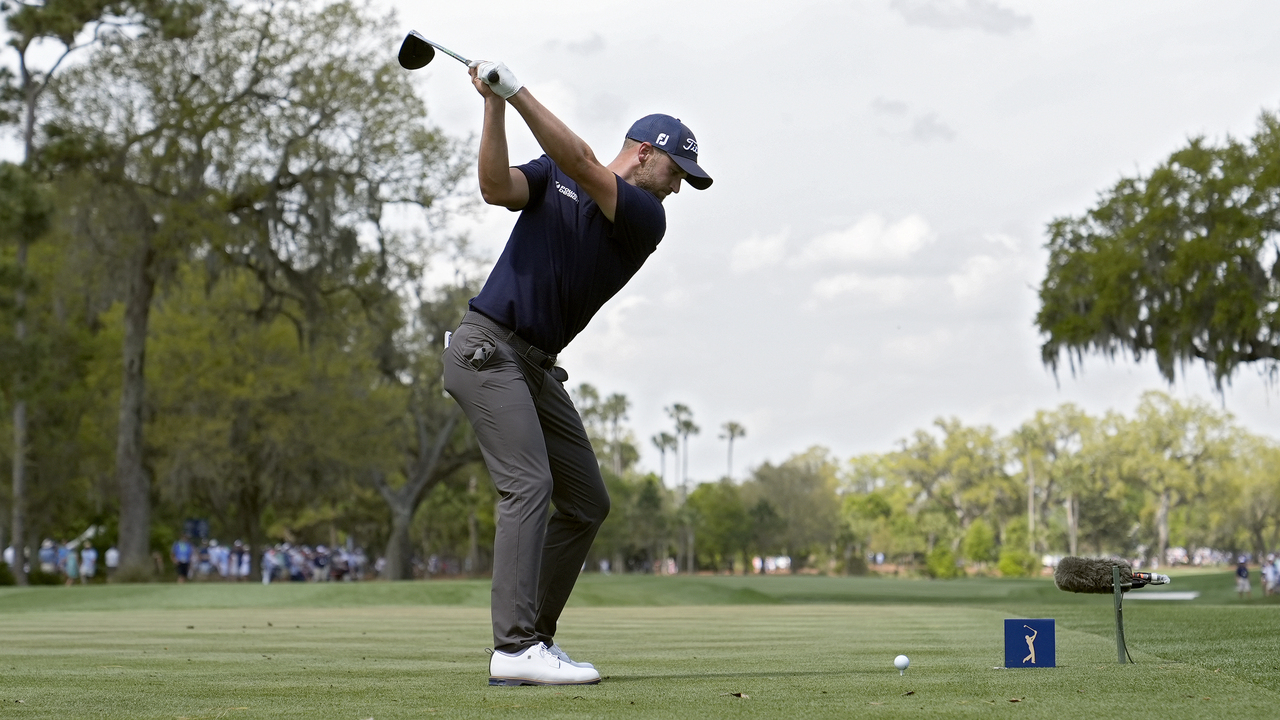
{"type": "Point", "coordinates": [507, 84]}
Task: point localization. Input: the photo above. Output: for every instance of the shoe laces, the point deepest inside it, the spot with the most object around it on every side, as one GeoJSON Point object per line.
{"type": "Point", "coordinates": [548, 654]}
{"type": "Point", "coordinates": [559, 653]}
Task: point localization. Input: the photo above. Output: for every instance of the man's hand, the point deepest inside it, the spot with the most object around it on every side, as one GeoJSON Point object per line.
{"type": "Point", "coordinates": [506, 86]}
{"type": "Point", "coordinates": [482, 87]}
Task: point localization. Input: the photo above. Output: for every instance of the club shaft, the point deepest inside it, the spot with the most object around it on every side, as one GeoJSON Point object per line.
{"type": "Point", "coordinates": [449, 52]}
{"type": "Point", "coordinates": [493, 76]}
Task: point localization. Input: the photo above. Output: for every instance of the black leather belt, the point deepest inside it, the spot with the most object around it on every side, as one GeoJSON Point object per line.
{"type": "Point", "coordinates": [544, 360]}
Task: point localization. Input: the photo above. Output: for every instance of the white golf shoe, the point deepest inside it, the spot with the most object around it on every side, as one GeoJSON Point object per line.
{"type": "Point", "coordinates": [559, 652]}
{"type": "Point", "coordinates": [537, 666]}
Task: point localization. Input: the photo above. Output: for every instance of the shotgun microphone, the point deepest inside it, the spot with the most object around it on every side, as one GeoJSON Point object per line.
{"type": "Point", "coordinates": [1143, 579]}
{"type": "Point", "coordinates": [1093, 575]}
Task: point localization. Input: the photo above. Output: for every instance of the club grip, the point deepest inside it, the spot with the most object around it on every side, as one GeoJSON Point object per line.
{"type": "Point", "coordinates": [493, 77]}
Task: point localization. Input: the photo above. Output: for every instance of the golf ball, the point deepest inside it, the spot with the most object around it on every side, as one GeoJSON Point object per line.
{"type": "Point", "coordinates": [901, 662]}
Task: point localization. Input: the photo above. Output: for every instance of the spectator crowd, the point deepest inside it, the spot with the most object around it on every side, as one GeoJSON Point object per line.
{"type": "Point", "coordinates": [70, 562]}
{"type": "Point", "coordinates": [1270, 572]}
{"type": "Point", "coordinates": [283, 562]}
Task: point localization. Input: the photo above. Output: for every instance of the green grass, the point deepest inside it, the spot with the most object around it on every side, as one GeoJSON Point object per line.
{"type": "Point", "coordinates": [796, 647]}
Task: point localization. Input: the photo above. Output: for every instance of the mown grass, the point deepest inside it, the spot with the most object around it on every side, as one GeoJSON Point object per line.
{"type": "Point", "coordinates": [668, 648]}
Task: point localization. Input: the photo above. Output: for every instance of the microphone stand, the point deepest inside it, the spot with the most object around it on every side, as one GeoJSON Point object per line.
{"type": "Point", "coordinates": [1122, 652]}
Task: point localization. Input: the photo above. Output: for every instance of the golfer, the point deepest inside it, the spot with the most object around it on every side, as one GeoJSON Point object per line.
{"type": "Point", "coordinates": [584, 229]}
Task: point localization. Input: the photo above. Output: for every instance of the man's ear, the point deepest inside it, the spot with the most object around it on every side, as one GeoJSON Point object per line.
{"type": "Point", "coordinates": [644, 151]}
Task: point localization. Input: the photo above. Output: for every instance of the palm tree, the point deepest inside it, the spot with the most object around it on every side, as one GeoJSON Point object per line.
{"type": "Point", "coordinates": [682, 416]}
{"type": "Point", "coordinates": [732, 430]}
{"type": "Point", "coordinates": [614, 411]}
{"type": "Point", "coordinates": [664, 442]}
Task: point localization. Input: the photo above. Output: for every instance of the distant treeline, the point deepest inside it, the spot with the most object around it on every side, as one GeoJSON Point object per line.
{"type": "Point", "coordinates": [220, 292]}
{"type": "Point", "coordinates": [1173, 474]}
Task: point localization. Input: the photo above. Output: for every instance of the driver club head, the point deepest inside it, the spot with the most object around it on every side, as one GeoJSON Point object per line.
{"type": "Point", "coordinates": [415, 51]}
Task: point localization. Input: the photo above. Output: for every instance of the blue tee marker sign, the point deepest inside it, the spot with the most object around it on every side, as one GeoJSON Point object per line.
{"type": "Point", "coordinates": [1029, 644]}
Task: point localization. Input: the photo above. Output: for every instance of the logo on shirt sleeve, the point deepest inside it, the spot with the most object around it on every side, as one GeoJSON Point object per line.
{"type": "Point", "coordinates": [566, 192]}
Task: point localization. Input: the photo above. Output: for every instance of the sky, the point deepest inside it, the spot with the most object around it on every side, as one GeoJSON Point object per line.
{"type": "Point", "coordinates": [868, 258]}
{"type": "Point", "coordinates": [869, 254]}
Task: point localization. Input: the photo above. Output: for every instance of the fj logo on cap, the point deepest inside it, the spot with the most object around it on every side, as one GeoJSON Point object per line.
{"type": "Point", "coordinates": [662, 139]}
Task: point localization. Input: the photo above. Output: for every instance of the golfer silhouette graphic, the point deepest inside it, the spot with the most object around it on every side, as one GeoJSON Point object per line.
{"type": "Point", "coordinates": [1031, 645]}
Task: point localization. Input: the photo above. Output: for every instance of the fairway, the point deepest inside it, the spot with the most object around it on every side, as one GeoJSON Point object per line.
{"type": "Point", "coordinates": [772, 647]}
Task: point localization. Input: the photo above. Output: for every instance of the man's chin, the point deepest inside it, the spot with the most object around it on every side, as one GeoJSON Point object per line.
{"type": "Point", "coordinates": [656, 192]}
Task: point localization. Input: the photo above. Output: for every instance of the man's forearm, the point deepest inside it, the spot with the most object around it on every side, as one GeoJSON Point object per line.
{"type": "Point", "coordinates": [494, 161]}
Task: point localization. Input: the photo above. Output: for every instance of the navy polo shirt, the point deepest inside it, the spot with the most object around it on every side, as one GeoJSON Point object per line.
{"type": "Point", "coordinates": [564, 258]}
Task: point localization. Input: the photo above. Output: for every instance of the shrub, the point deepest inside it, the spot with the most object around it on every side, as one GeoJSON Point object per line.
{"type": "Point", "coordinates": [135, 574]}
{"type": "Point", "coordinates": [856, 565]}
{"type": "Point", "coordinates": [941, 563]}
{"type": "Point", "coordinates": [979, 543]}
{"type": "Point", "coordinates": [1017, 563]}
{"type": "Point", "coordinates": [39, 577]}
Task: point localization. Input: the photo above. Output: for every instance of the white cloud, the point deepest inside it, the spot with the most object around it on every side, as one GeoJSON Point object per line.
{"type": "Point", "coordinates": [920, 349]}
{"type": "Point", "coordinates": [616, 343]}
{"type": "Point", "coordinates": [675, 298]}
{"type": "Point", "coordinates": [975, 276]}
{"type": "Point", "coordinates": [928, 127]}
{"type": "Point", "coordinates": [605, 110]}
{"type": "Point", "coordinates": [870, 239]}
{"type": "Point", "coordinates": [904, 123]}
{"type": "Point", "coordinates": [1008, 242]}
{"type": "Point", "coordinates": [592, 45]}
{"type": "Point", "coordinates": [758, 252]}
{"type": "Point", "coordinates": [996, 276]}
{"type": "Point", "coordinates": [982, 15]}
{"type": "Point", "coordinates": [887, 289]}
{"type": "Point", "coordinates": [885, 106]}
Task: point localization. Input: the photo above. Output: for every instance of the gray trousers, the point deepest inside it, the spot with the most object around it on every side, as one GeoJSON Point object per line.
{"type": "Point", "coordinates": [538, 453]}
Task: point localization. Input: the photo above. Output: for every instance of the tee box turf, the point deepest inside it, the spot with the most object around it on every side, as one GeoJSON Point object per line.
{"type": "Point", "coordinates": [1029, 644]}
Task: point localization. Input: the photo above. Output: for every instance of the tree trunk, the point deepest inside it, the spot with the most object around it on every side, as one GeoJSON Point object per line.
{"type": "Point", "coordinates": [690, 556]}
{"type": "Point", "coordinates": [19, 529]}
{"type": "Point", "coordinates": [473, 529]}
{"type": "Point", "coordinates": [1162, 527]}
{"type": "Point", "coordinates": [1031, 504]}
{"type": "Point", "coordinates": [1259, 543]}
{"type": "Point", "coordinates": [424, 472]}
{"type": "Point", "coordinates": [20, 433]}
{"type": "Point", "coordinates": [249, 511]}
{"type": "Point", "coordinates": [399, 546]}
{"type": "Point", "coordinates": [135, 486]}
{"type": "Point", "coordinates": [1073, 524]}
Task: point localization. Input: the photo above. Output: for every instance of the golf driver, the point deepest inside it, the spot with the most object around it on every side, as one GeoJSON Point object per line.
{"type": "Point", "coordinates": [416, 51]}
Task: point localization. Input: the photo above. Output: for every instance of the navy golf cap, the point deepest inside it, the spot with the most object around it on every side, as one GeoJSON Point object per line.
{"type": "Point", "coordinates": [674, 138]}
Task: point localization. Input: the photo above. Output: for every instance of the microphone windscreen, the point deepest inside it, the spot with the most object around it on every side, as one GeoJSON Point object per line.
{"type": "Point", "coordinates": [1089, 575]}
